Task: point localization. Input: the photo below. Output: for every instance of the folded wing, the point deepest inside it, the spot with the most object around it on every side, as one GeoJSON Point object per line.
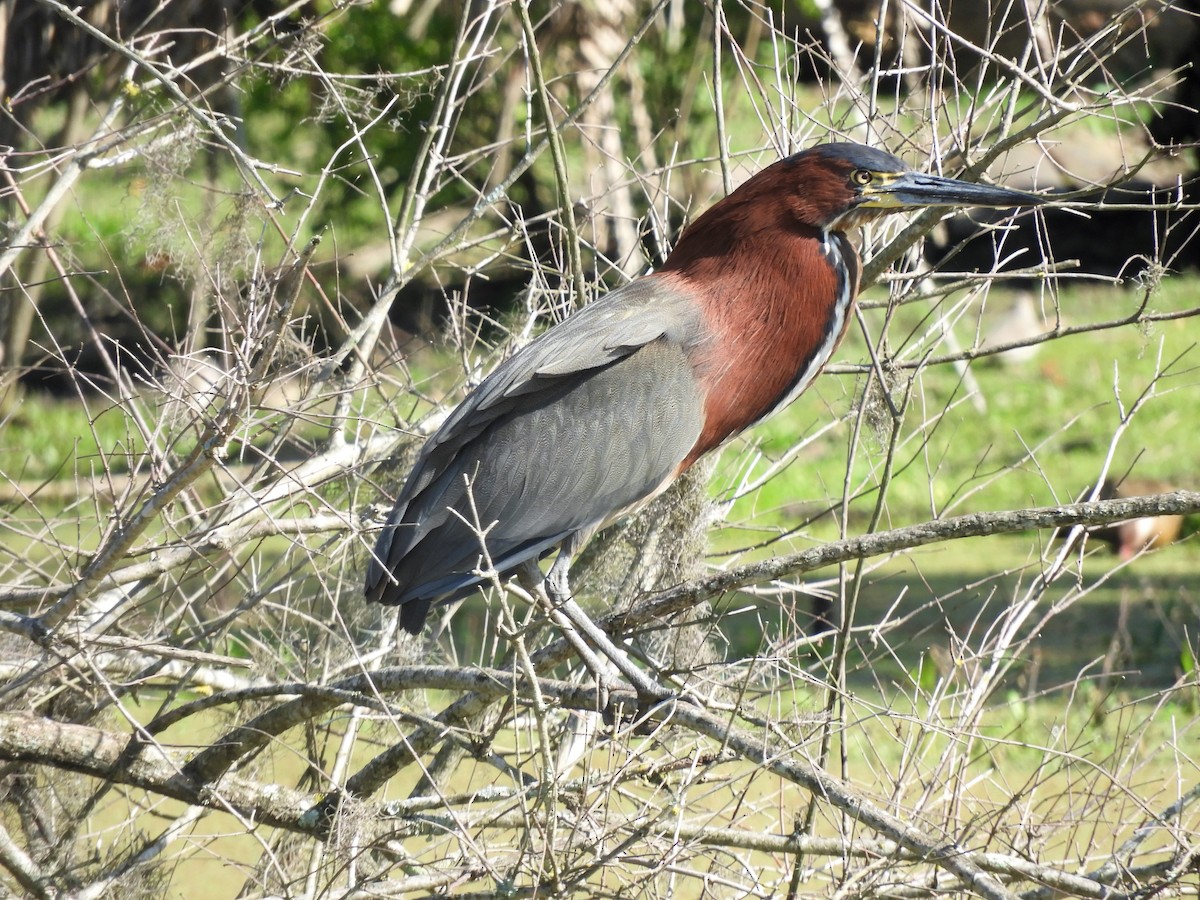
{"type": "Point", "coordinates": [585, 422]}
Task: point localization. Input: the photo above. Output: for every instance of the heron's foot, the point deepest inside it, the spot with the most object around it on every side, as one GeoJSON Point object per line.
{"type": "Point", "coordinates": [558, 582]}
{"type": "Point", "coordinates": [607, 656]}
{"type": "Point", "coordinates": [619, 701]}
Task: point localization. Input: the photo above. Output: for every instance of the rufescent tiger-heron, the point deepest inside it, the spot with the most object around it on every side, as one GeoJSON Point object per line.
{"type": "Point", "coordinates": [602, 412]}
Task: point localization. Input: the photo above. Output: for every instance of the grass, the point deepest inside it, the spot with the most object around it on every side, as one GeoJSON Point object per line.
{"type": "Point", "coordinates": [45, 437]}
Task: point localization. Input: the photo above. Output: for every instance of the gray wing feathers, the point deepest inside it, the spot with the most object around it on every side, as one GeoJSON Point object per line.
{"type": "Point", "coordinates": [597, 335]}
{"type": "Point", "coordinates": [583, 423]}
{"type": "Point", "coordinates": [609, 329]}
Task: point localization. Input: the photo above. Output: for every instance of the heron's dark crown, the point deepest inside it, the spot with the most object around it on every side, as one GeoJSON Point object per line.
{"type": "Point", "coordinates": [854, 156]}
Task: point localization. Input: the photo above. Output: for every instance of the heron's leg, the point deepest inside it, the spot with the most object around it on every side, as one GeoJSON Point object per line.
{"type": "Point", "coordinates": [558, 588]}
{"type": "Point", "coordinates": [531, 577]}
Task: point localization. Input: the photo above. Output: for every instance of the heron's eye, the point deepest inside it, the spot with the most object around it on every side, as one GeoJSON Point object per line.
{"type": "Point", "coordinates": [861, 176]}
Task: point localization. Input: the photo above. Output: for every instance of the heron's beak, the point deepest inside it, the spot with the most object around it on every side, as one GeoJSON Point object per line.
{"type": "Point", "coordinates": [913, 189]}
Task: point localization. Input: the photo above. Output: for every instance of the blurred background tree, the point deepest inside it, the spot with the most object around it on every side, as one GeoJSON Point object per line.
{"type": "Point", "coordinates": [255, 251]}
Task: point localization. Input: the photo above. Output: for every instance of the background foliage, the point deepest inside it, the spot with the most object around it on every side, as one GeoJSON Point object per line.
{"type": "Point", "coordinates": [253, 252]}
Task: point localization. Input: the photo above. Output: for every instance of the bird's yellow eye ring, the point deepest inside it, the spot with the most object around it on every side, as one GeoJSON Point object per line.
{"type": "Point", "coordinates": [861, 176]}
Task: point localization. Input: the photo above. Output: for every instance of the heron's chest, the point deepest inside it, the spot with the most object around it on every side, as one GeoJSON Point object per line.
{"type": "Point", "coordinates": [773, 335]}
